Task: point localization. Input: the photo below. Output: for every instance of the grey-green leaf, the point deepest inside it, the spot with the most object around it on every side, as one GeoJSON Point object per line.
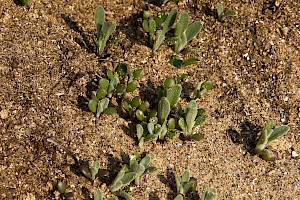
{"type": "Point", "coordinates": [163, 110]}
{"type": "Point", "coordinates": [99, 19]}
{"type": "Point", "coordinates": [185, 177]}
{"type": "Point", "coordinates": [277, 132]}
{"type": "Point", "coordinates": [193, 30]}
{"type": "Point", "coordinates": [179, 197]}
{"type": "Point", "coordinates": [128, 177]}
{"type": "Point", "coordinates": [159, 39]}
{"type": "Point", "coordinates": [123, 194]}
{"type": "Point", "coordinates": [169, 21]}
{"type": "Point", "coordinates": [93, 104]}
{"type": "Point", "coordinates": [197, 137]}
{"type": "Point", "coordinates": [139, 131]}
{"type": "Point", "coordinates": [182, 24]}
{"type": "Point", "coordinates": [110, 110]}
{"type": "Point", "coordinates": [173, 94]}
{"type": "Point", "coordinates": [98, 195]}
{"type": "Point", "coordinates": [94, 170]}
{"type": "Point", "coordinates": [191, 114]}
{"type": "Point", "coordinates": [190, 61]}
{"type": "Point", "coordinates": [219, 10]}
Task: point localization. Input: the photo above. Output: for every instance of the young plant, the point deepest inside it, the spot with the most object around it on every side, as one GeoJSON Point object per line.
{"type": "Point", "coordinates": [104, 30]}
{"type": "Point", "coordinates": [150, 25]}
{"type": "Point", "coordinates": [223, 15]}
{"type": "Point", "coordinates": [185, 33]}
{"type": "Point", "coordinates": [117, 84]}
{"type": "Point", "coordinates": [190, 119]}
{"type": "Point", "coordinates": [185, 184]}
{"type": "Point", "coordinates": [269, 134]}
{"type": "Point", "coordinates": [177, 62]}
{"type": "Point", "coordinates": [200, 89]}
{"type": "Point", "coordinates": [62, 189]}
{"type": "Point", "coordinates": [209, 193]}
{"type": "Point", "coordinates": [137, 168]}
{"type": "Point", "coordinates": [92, 172]}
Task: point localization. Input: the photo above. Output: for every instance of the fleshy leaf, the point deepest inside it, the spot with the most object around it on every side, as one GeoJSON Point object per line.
{"type": "Point", "coordinates": [173, 94]}
{"type": "Point", "coordinates": [170, 20]}
{"type": "Point", "coordinates": [277, 132]}
{"type": "Point", "coordinates": [137, 73]}
{"type": "Point", "coordinates": [190, 61]}
{"type": "Point", "coordinates": [193, 30]}
{"type": "Point", "coordinates": [182, 24]}
{"type": "Point", "coordinates": [110, 110]}
{"type": "Point", "coordinates": [163, 110]}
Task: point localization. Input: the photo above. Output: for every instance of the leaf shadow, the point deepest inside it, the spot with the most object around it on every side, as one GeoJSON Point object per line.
{"type": "Point", "coordinates": [247, 136]}
{"type": "Point", "coordinates": [84, 40]}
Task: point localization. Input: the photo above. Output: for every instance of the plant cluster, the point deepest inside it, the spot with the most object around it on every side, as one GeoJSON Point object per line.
{"type": "Point", "coordinates": [117, 85]}
{"type": "Point", "coordinates": [168, 119]}
{"type": "Point", "coordinates": [223, 15]}
{"type": "Point", "coordinates": [269, 134]}
{"type": "Point", "coordinates": [182, 34]}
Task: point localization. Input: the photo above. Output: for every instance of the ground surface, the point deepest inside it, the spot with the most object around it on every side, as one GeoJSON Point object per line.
{"type": "Point", "coordinates": [48, 63]}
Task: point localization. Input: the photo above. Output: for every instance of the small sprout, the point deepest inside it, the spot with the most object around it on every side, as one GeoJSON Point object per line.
{"type": "Point", "coordinates": [269, 134]}
{"type": "Point", "coordinates": [222, 16]}
{"type": "Point", "coordinates": [177, 62]}
{"type": "Point", "coordinates": [185, 184]}
{"type": "Point", "coordinates": [150, 25]}
{"type": "Point", "coordinates": [185, 33]}
{"type": "Point", "coordinates": [200, 89]}
{"type": "Point", "coordinates": [104, 30]}
{"type": "Point", "coordinates": [92, 172]}
{"type": "Point", "coordinates": [25, 2]}
{"type": "Point", "coordinates": [116, 85]}
{"type": "Point", "coordinates": [62, 189]}
{"type": "Point", "coordinates": [190, 120]}
{"type": "Point", "coordinates": [137, 168]}
{"type": "Point", "coordinates": [209, 193]}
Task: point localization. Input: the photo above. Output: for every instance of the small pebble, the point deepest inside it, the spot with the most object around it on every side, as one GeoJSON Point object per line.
{"type": "Point", "coordinates": [295, 154]}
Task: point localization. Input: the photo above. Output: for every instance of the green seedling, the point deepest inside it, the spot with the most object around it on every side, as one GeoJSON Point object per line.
{"type": "Point", "coordinates": [209, 193]}
{"type": "Point", "coordinates": [177, 62]}
{"type": "Point", "coordinates": [134, 172]}
{"type": "Point", "coordinates": [269, 134]}
{"type": "Point", "coordinates": [223, 15]}
{"type": "Point", "coordinates": [25, 2]}
{"type": "Point", "coordinates": [62, 189]}
{"type": "Point", "coordinates": [190, 119]}
{"type": "Point", "coordinates": [200, 89]}
{"type": "Point", "coordinates": [104, 30]}
{"type": "Point", "coordinates": [151, 25]}
{"type": "Point", "coordinates": [117, 85]}
{"type": "Point", "coordinates": [185, 33]}
{"type": "Point", "coordinates": [124, 195]}
{"type": "Point", "coordinates": [185, 184]}
{"type": "Point", "coordinates": [92, 172]}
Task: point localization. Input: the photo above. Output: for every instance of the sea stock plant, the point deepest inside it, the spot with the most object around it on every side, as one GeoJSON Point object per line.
{"type": "Point", "coordinates": [223, 15]}
{"type": "Point", "coordinates": [269, 134]}
{"type": "Point", "coordinates": [185, 184]}
{"type": "Point", "coordinates": [151, 25]}
{"type": "Point", "coordinates": [117, 84]}
{"type": "Point", "coordinates": [184, 32]}
{"type": "Point", "coordinates": [167, 119]}
{"type": "Point", "coordinates": [209, 193]}
{"type": "Point", "coordinates": [104, 30]}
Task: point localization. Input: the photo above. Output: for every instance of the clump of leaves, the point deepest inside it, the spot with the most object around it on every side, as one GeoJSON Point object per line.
{"type": "Point", "coordinates": [209, 193]}
{"type": "Point", "coordinates": [151, 25]}
{"type": "Point", "coordinates": [269, 134]}
{"type": "Point", "coordinates": [202, 88]}
{"type": "Point", "coordinates": [92, 172]}
{"type": "Point", "coordinates": [104, 30]}
{"type": "Point", "coordinates": [185, 184]}
{"type": "Point", "coordinates": [223, 15]}
{"type": "Point", "coordinates": [178, 62]}
{"type": "Point", "coordinates": [62, 189]}
{"type": "Point", "coordinates": [137, 168]}
{"type": "Point", "coordinates": [117, 84]}
{"type": "Point", "coordinates": [184, 33]}
{"type": "Point", "coordinates": [167, 119]}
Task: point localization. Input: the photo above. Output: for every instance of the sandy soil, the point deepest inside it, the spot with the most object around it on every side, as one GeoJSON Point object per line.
{"type": "Point", "coordinates": [48, 65]}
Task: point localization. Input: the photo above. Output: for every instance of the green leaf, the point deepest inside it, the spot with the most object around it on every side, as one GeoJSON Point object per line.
{"type": "Point", "coordinates": [135, 102]}
{"type": "Point", "coordinates": [191, 114]}
{"type": "Point", "coordinates": [179, 197]}
{"type": "Point", "coordinates": [176, 62]}
{"type": "Point", "coordinates": [182, 124]}
{"type": "Point", "coordinates": [163, 110]}
{"type": "Point", "coordinates": [209, 194]}
{"type": "Point", "coordinates": [277, 132]}
{"type": "Point", "coordinates": [173, 94]}
{"type": "Point", "coordinates": [193, 30]}
{"type": "Point", "coordinates": [219, 10]}
{"type": "Point", "coordinates": [200, 119]}
{"type": "Point", "coordinates": [108, 28]}
{"type": "Point", "coordinates": [100, 93]}
{"type": "Point", "coordinates": [99, 19]}
{"type": "Point", "coordinates": [152, 27]}
{"type": "Point", "coordinates": [197, 137]}
{"type": "Point", "coordinates": [123, 194]}
{"type": "Point", "coordinates": [62, 187]}
{"type": "Point", "coordinates": [171, 124]}
{"type": "Point", "coordinates": [104, 83]}
{"type": "Point", "coordinates": [131, 86]}
{"type": "Point", "coordinates": [98, 195]}
{"type": "Point", "coordinates": [146, 25]}
{"type": "Point", "coordinates": [122, 69]}
{"type": "Point", "coordinates": [161, 17]}
{"type": "Point", "coordinates": [139, 131]}
{"type": "Point", "coordinates": [230, 13]}
{"type": "Point", "coordinates": [178, 183]}
{"type": "Point", "coordinates": [128, 177]}
{"type": "Point", "coordinates": [94, 170]}
{"type": "Point", "coordinates": [93, 104]}
{"type": "Point", "coordinates": [110, 110]}
{"type": "Point", "coordinates": [153, 120]}
{"type": "Point", "coordinates": [150, 127]}
{"type": "Point", "coordinates": [150, 170]}
{"type": "Point", "coordinates": [147, 160]}
{"type": "Point", "coordinates": [268, 155]}
{"type": "Point", "coordinates": [144, 106]}
{"type": "Point", "coordinates": [119, 176]}
{"type": "Point", "coordinates": [182, 42]}
{"type": "Point", "coordinates": [185, 178]}
{"type": "Point", "coordinates": [151, 137]}
{"type": "Point", "coordinates": [120, 88]}
{"type": "Point", "coordinates": [110, 74]}
{"type": "Point", "coordinates": [102, 105]}
{"type": "Point", "coordinates": [146, 14]}
{"type": "Point", "coordinates": [169, 21]}
{"type": "Point", "coordinates": [137, 73]}
{"type": "Point", "coordinates": [169, 82]}
{"type": "Point", "coordinates": [159, 39]}
{"type": "Point", "coordinates": [140, 115]}
{"type": "Point", "coordinates": [182, 24]}
{"type": "Point", "coordinates": [116, 186]}
{"type": "Point", "coordinates": [190, 61]}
